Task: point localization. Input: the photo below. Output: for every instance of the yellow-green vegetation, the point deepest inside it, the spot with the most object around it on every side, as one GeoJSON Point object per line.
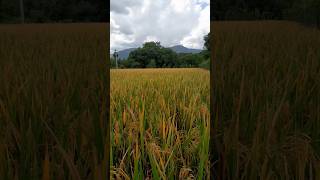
{"type": "Point", "coordinates": [53, 80]}
{"type": "Point", "coordinates": [266, 99]}
{"type": "Point", "coordinates": [159, 123]}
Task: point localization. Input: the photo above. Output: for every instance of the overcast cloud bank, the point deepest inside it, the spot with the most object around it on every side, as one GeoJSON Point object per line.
{"type": "Point", "coordinates": [171, 22]}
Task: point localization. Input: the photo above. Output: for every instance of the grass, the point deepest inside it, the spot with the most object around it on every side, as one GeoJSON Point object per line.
{"type": "Point", "coordinates": [160, 123]}
{"type": "Point", "coordinates": [52, 101]}
{"type": "Point", "coordinates": [266, 99]}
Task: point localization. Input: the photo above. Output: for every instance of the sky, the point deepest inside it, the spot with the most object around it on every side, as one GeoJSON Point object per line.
{"type": "Point", "coordinates": [172, 22]}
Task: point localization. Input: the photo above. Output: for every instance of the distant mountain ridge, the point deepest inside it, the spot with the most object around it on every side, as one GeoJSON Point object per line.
{"type": "Point", "coordinates": [124, 54]}
{"type": "Point", "coordinates": [182, 49]}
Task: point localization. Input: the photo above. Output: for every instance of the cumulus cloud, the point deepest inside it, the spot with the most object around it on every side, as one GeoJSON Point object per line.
{"type": "Point", "coordinates": [171, 22]}
{"type": "Point", "coordinates": [121, 6]}
{"type": "Point", "coordinates": [192, 40]}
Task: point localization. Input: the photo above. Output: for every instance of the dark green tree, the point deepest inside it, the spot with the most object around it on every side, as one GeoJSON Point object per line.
{"type": "Point", "coordinates": [190, 60]}
{"type": "Point", "coordinates": [152, 64]}
{"type": "Point", "coordinates": [163, 57]}
{"type": "Point", "coordinates": [207, 41]}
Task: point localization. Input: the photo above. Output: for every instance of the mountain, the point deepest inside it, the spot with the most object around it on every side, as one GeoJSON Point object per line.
{"type": "Point", "coordinates": [123, 54]}
{"type": "Point", "coordinates": [182, 49]}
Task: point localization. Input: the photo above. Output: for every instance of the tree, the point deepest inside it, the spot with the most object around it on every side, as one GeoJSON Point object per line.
{"type": "Point", "coordinates": [112, 62]}
{"type": "Point", "coordinates": [152, 64]}
{"type": "Point", "coordinates": [162, 57]}
{"type": "Point", "coordinates": [190, 60]}
{"type": "Point", "coordinates": [168, 58]}
{"type": "Point", "coordinates": [115, 56]}
{"type": "Point", "coordinates": [207, 49]}
{"type": "Point", "coordinates": [207, 41]}
{"type": "Point", "coordinates": [153, 55]}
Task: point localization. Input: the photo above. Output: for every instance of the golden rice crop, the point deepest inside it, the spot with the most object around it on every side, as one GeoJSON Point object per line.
{"type": "Point", "coordinates": [266, 99]}
{"type": "Point", "coordinates": [159, 123]}
{"type": "Point", "coordinates": [53, 80]}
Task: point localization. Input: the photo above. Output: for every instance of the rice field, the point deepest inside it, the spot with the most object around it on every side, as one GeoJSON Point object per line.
{"type": "Point", "coordinates": [266, 100]}
{"type": "Point", "coordinates": [53, 109]}
{"type": "Point", "coordinates": [160, 122]}
{"type": "Point", "coordinates": [266, 107]}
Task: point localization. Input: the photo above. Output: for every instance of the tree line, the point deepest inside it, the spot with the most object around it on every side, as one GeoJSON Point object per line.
{"type": "Point", "coordinates": [36, 11]}
{"type": "Point", "coordinates": [305, 11]}
{"type": "Point", "coordinates": [153, 55]}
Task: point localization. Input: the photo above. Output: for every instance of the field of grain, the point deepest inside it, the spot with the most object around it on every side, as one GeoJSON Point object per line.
{"type": "Point", "coordinates": [53, 89]}
{"type": "Point", "coordinates": [266, 100]}
{"type": "Point", "coordinates": [160, 123]}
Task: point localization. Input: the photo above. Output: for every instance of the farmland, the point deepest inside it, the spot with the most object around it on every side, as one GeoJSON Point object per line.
{"type": "Point", "coordinates": [266, 100]}
{"type": "Point", "coordinates": [159, 123]}
{"type": "Point", "coordinates": [53, 87]}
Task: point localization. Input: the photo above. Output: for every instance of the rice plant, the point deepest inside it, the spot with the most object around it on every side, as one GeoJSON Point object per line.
{"type": "Point", "coordinates": [159, 124]}
{"type": "Point", "coordinates": [53, 80]}
{"type": "Point", "coordinates": [266, 99]}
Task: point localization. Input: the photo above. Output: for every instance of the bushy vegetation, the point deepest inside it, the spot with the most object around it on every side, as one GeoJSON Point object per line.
{"type": "Point", "coordinates": [53, 101]}
{"type": "Point", "coordinates": [153, 55]}
{"type": "Point", "coordinates": [160, 123]}
{"type": "Point", "coordinates": [266, 101]}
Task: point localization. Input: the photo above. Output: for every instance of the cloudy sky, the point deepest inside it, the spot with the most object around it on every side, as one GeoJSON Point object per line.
{"type": "Point", "coordinates": [171, 22]}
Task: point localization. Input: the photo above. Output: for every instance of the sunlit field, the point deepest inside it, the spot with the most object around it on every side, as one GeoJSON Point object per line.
{"type": "Point", "coordinates": [160, 123]}
{"type": "Point", "coordinates": [266, 89]}
{"type": "Point", "coordinates": [53, 80]}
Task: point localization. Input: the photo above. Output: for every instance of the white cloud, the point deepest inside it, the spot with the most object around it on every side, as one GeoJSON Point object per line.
{"type": "Point", "coordinates": [192, 40]}
{"type": "Point", "coordinates": [171, 22]}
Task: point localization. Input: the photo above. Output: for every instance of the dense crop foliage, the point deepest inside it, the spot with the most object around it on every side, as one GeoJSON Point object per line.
{"type": "Point", "coordinates": [266, 89]}
{"type": "Point", "coordinates": [53, 81]}
{"type": "Point", "coordinates": [160, 123]}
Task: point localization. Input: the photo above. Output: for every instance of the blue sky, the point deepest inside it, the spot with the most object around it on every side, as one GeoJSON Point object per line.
{"type": "Point", "coordinates": [171, 22]}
